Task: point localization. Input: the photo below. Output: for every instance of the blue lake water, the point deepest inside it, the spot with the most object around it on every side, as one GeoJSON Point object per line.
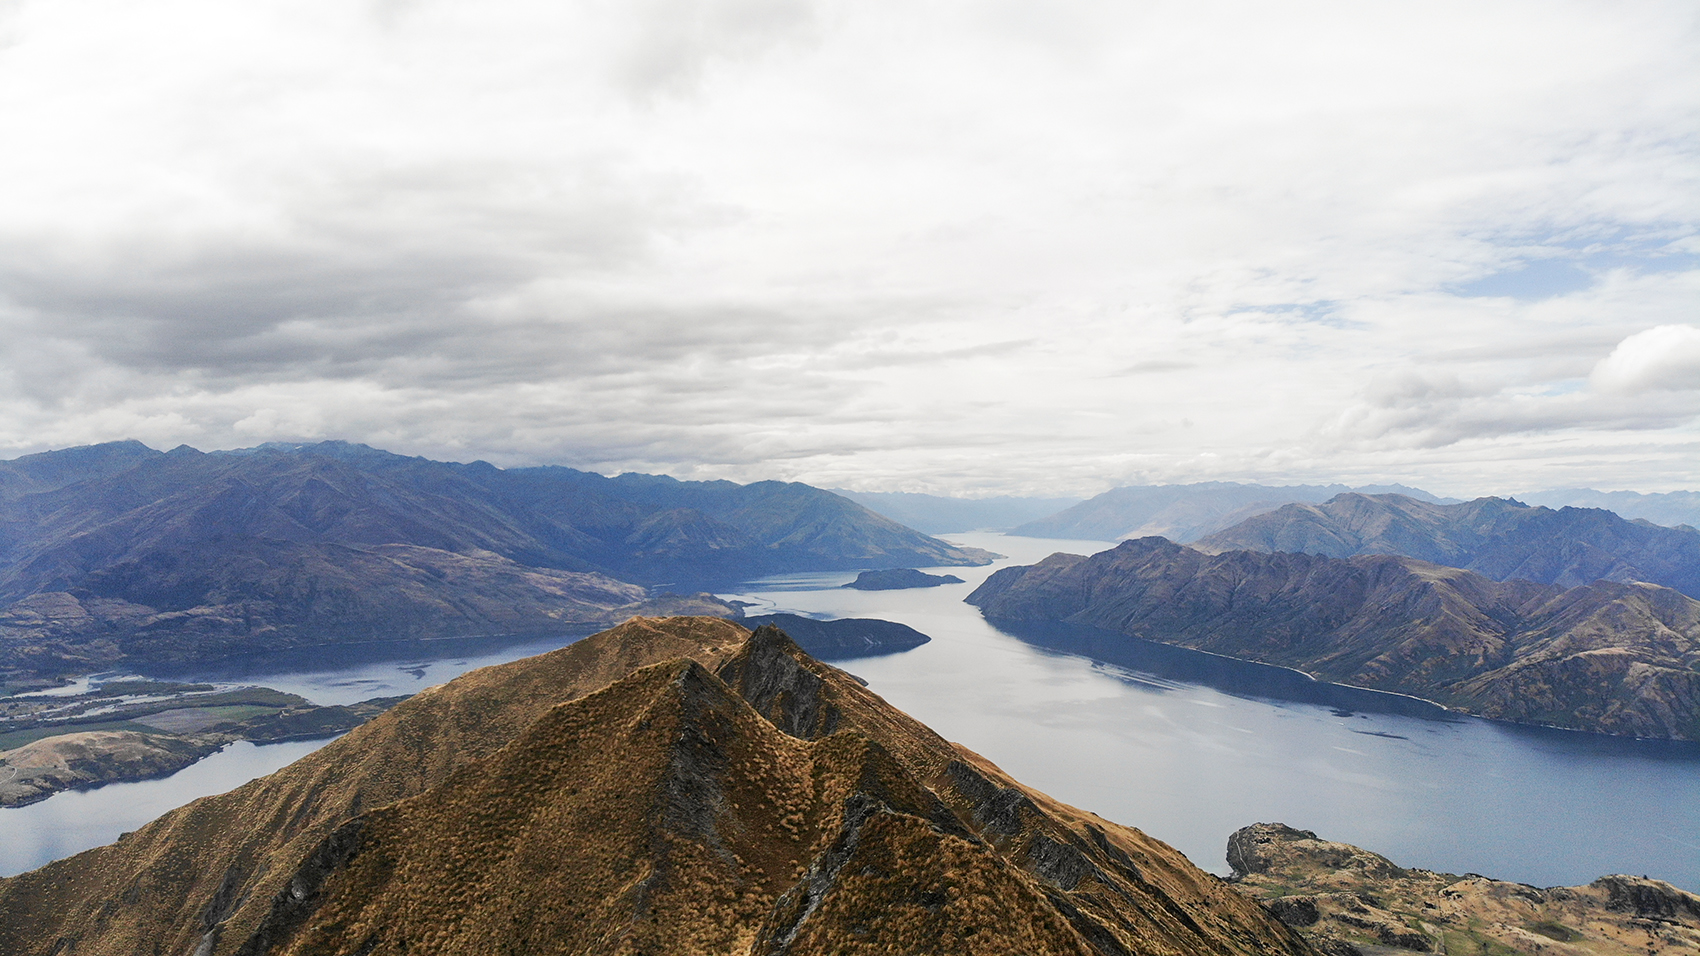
{"type": "Point", "coordinates": [1190, 764]}
{"type": "Point", "coordinates": [1186, 747]}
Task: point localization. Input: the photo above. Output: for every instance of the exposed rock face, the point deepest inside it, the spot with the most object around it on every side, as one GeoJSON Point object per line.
{"type": "Point", "coordinates": [900, 579]}
{"type": "Point", "coordinates": [667, 786]}
{"type": "Point", "coordinates": [120, 554]}
{"type": "Point", "coordinates": [1494, 537]}
{"type": "Point", "coordinates": [1343, 898]}
{"type": "Point", "coordinates": [1613, 658]}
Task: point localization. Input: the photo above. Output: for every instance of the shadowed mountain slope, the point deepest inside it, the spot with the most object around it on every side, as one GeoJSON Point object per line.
{"type": "Point", "coordinates": [118, 552]}
{"type": "Point", "coordinates": [1612, 658]}
{"type": "Point", "coordinates": [672, 785]}
{"type": "Point", "coordinates": [1177, 512]}
{"type": "Point", "coordinates": [1496, 537]}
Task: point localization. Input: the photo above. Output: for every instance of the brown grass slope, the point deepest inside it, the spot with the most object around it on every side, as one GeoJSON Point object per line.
{"type": "Point", "coordinates": [1346, 899]}
{"type": "Point", "coordinates": [1614, 658]}
{"type": "Point", "coordinates": [666, 786]}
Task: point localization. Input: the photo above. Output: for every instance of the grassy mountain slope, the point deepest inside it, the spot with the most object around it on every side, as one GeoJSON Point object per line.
{"type": "Point", "coordinates": [1613, 658]}
{"type": "Point", "coordinates": [670, 785]}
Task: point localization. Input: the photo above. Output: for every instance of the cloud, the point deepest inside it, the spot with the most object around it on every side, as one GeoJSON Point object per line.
{"type": "Point", "coordinates": [1010, 246]}
{"type": "Point", "coordinates": [1665, 358]}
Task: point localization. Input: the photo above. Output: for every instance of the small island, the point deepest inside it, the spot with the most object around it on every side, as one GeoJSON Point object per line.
{"type": "Point", "coordinates": [844, 638]}
{"type": "Point", "coordinates": [898, 579]}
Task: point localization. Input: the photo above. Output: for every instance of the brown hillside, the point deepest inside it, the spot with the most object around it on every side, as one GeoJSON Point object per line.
{"type": "Point", "coordinates": [667, 786]}
{"type": "Point", "coordinates": [1606, 657]}
{"type": "Point", "coordinates": [1346, 900]}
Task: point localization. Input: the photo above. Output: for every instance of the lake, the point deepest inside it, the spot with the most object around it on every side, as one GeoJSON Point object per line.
{"type": "Point", "coordinates": [1185, 746]}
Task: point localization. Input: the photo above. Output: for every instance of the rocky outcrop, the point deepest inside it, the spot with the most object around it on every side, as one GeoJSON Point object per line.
{"type": "Point", "coordinates": [1611, 658]}
{"type": "Point", "coordinates": [667, 786]}
{"type": "Point", "coordinates": [1345, 900]}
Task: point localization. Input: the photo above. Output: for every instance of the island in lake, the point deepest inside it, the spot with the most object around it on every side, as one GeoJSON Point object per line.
{"type": "Point", "coordinates": [898, 579]}
{"type": "Point", "coordinates": [843, 638]}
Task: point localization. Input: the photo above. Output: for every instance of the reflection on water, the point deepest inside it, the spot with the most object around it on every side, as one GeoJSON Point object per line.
{"type": "Point", "coordinates": [77, 820]}
{"type": "Point", "coordinates": [1190, 747]}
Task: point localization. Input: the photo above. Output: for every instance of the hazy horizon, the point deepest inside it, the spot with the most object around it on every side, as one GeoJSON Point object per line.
{"type": "Point", "coordinates": [1003, 248]}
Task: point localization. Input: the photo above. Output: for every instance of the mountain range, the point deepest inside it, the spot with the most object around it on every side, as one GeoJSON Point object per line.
{"type": "Point", "coordinates": [1669, 508]}
{"type": "Point", "coordinates": [1181, 512]}
{"type": "Point", "coordinates": [937, 514]}
{"type": "Point", "coordinates": [1620, 658]}
{"type": "Point", "coordinates": [668, 786]}
{"type": "Point", "coordinates": [1500, 538]}
{"type": "Point", "coordinates": [120, 553]}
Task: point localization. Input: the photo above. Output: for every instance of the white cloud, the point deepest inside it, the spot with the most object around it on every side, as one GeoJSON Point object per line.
{"type": "Point", "coordinates": [1005, 246]}
{"type": "Point", "coordinates": [1663, 358]}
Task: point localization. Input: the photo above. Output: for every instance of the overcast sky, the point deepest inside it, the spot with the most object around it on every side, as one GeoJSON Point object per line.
{"type": "Point", "coordinates": [958, 247]}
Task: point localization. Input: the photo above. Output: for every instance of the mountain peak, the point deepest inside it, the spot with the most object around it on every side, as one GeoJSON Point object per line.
{"type": "Point", "coordinates": [622, 795]}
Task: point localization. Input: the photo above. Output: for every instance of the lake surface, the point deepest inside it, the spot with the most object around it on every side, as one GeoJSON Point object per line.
{"type": "Point", "coordinates": [1155, 747]}
{"type": "Point", "coordinates": [1185, 746]}
{"type": "Point", "coordinates": [75, 820]}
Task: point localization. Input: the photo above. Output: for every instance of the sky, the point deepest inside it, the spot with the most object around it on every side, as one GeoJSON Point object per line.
{"type": "Point", "coordinates": [1041, 248]}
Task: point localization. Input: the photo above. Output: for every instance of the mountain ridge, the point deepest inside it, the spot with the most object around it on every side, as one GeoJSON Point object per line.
{"type": "Point", "coordinates": [1606, 657]}
{"type": "Point", "coordinates": [1497, 537]}
{"type": "Point", "coordinates": [1181, 513]}
{"type": "Point", "coordinates": [122, 553]}
{"type": "Point", "coordinates": [662, 783]}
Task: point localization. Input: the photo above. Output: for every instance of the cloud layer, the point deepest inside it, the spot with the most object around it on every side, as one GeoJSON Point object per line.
{"type": "Point", "coordinates": [1013, 246]}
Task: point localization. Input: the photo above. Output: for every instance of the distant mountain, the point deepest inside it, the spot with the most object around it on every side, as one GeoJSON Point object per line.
{"type": "Point", "coordinates": [669, 786]}
{"type": "Point", "coordinates": [118, 552]}
{"type": "Point", "coordinates": [1669, 509]}
{"type": "Point", "coordinates": [1497, 537]}
{"type": "Point", "coordinates": [1181, 512]}
{"type": "Point", "coordinates": [936, 514]}
{"type": "Point", "coordinates": [1607, 657]}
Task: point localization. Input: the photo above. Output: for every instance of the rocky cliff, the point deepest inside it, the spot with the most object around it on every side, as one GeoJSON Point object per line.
{"type": "Point", "coordinates": [1612, 658]}
{"type": "Point", "coordinates": [667, 786]}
